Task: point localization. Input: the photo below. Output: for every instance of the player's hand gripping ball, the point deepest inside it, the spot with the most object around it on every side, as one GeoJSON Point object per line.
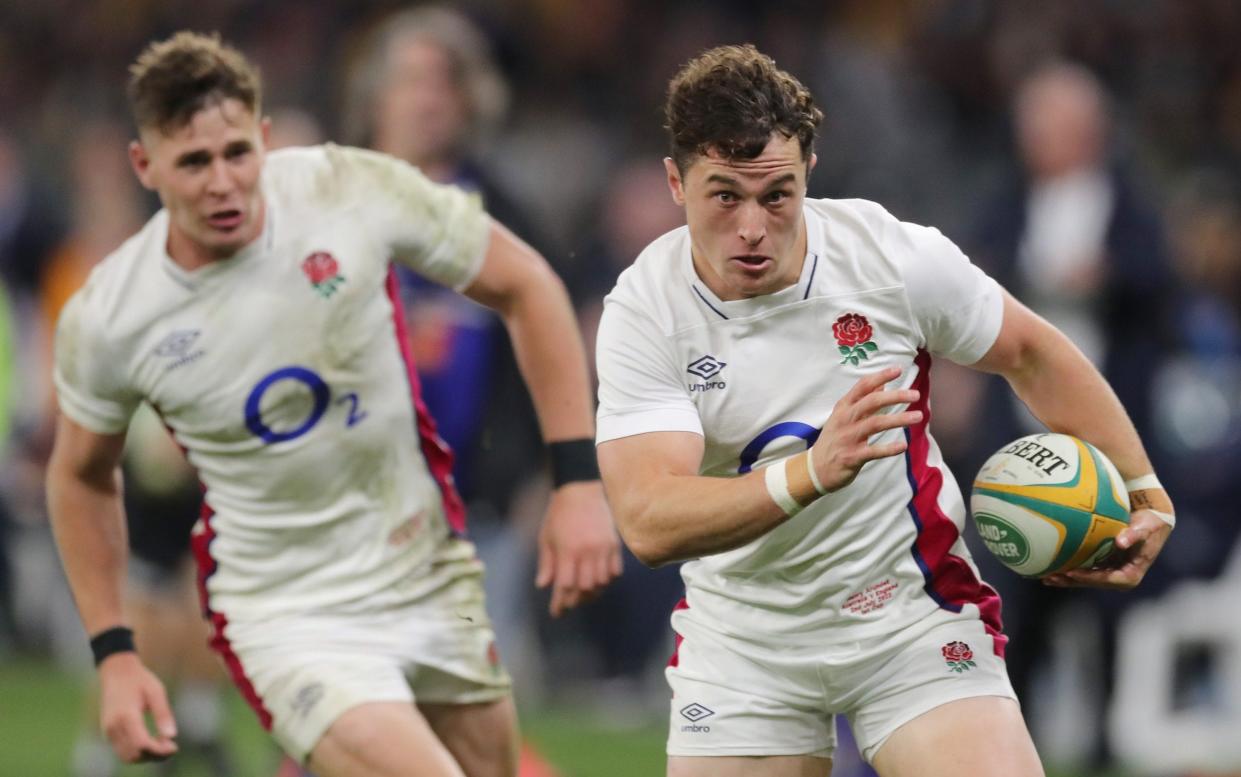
{"type": "Point", "coordinates": [1048, 503]}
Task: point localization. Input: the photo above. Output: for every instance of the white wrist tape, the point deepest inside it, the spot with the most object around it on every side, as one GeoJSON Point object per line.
{"type": "Point", "coordinates": [793, 483]}
{"type": "Point", "coordinates": [1143, 482]}
{"type": "Point", "coordinates": [778, 488]}
{"type": "Point", "coordinates": [1151, 483]}
{"type": "Point", "coordinates": [1167, 518]}
{"type": "Point", "coordinates": [814, 476]}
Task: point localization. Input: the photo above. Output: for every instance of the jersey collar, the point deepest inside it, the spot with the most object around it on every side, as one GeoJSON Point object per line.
{"type": "Point", "coordinates": [192, 279]}
{"type": "Point", "coordinates": [742, 308]}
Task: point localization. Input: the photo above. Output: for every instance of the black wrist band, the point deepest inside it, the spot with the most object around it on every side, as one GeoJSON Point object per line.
{"type": "Point", "coordinates": [117, 639]}
{"type": "Point", "coordinates": [573, 461]}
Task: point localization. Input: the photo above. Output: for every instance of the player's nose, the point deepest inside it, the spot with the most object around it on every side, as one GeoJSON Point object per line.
{"type": "Point", "coordinates": [220, 179]}
{"type": "Point", "coordinates": [752, 224]}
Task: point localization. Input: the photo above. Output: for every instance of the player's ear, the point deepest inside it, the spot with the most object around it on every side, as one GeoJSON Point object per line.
{"type": "Point", "coordinates": [810, 163]}
{"type": "Point", "coordinates": [265, 131]}
{"type": "Point", "coordinates": [140, 160]}
{"type": "Point", "coordinates": [675, 184]}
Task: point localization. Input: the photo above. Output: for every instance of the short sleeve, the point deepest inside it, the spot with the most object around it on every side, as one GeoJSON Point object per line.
{"type": "Point", "coordinates": [640, 388]}
{"type": "Point", "coordinates": [437, 230]}
{"type": "Point", "coordinates": [89, 389]}
{"type": "Point", "coordinates": [958, 307]}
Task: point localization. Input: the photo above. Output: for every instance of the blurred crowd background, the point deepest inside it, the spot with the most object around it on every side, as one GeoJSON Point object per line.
{"type": "Point", "coordinates": [1086, 153]}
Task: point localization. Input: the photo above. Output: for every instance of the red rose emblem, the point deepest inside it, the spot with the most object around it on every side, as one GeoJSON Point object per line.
{"type": "Point", "coordinates": [957, 651]}
{"type": "Point", "coordinates": [320, 266]}
{"type": "Point", "coordinates": [852, 329]}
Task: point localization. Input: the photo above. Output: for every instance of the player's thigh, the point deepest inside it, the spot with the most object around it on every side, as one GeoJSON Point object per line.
{"type": "Point", "coordinates": [482, 737]}
{"type": "Point", "coordinates": [983, 736]}
{"type": "Point", "coordinates": [381, 739]}
{"type": "Point", "coordinates": [944, 659]}
{"type": "Point", "coordinates": [734, 698]}
{"type": "Point", "coordinates": [749, 766]}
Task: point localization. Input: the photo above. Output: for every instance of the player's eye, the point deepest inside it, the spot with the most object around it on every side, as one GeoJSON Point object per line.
{"type": "Point", "coordinates": [726, 197]}
{"type": "Point", "coordinates": [237, 151]}
{"type": "Point", "coordinates": [777, 197]}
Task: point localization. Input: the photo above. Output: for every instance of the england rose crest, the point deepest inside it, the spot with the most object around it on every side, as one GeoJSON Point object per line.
{"type": "Point", "coordinates": [958, 656]}
{"type": "Point", "coordinates": [854, 338]}
{"type": "Point", "coordinates": [323, 271]}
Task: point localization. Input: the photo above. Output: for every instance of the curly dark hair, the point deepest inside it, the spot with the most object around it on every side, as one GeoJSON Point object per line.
{"type": "Point", "coordinates": [730, 99]}
{"type": "Point", "coordinates": [173, 79]}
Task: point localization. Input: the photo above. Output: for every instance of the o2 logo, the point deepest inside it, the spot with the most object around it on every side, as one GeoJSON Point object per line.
{"type": "Point", "coordinates": [319, 390]}
{"type": "Point", "coordinates": [754, 449]}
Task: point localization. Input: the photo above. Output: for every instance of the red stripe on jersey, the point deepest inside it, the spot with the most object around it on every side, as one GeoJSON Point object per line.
{"type": "Point", "coordinates": [200, 544]}
{"type": "Point", "coordinates": [434, 449]}
{"type": "Point", "coordinates": [950, 580]}
{"type": "Point", "coordinates": [676, 648]}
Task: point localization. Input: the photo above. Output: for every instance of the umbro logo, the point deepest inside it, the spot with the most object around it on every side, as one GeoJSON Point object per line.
{"type": "Point", "coordinates": [177, 343]}
{"type": "Point", "coordinates": [306, 698]}
{"type": "Point", "coordinates": [179, 347]}
{"type": "Point", "coordinates": [695, 713]}
{"type": "Point", "coordinates": [706, 367]}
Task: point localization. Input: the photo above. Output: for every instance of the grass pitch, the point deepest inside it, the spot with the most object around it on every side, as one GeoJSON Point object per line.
{"type": "Point", "coordinates": [41, 712]}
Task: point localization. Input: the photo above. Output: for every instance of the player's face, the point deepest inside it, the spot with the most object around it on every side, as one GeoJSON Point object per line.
{"type": "Point", "coordinates": [207, 176]}
{"type": "Point", "coordinates": [745, 217]}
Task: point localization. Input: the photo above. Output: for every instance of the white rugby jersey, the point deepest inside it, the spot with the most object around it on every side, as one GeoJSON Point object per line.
{"type": "Point", "coordinates": [285, 374]}
{"type": "Point", "coordinates": [757, 378]}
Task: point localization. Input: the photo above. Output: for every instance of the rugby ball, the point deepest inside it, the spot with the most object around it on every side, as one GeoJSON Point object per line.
{"type": "Point", "coordinates": [1048, 503]}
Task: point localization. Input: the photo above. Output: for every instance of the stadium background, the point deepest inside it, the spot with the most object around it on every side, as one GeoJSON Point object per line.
{"type": "Point", "coordinates": [919, 104]}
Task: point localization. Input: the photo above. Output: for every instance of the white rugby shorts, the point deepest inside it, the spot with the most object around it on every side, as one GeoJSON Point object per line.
{"type": "Point", "coordinates": [302, 672]}
{"type": "Point", "coordinates": [734, 697]}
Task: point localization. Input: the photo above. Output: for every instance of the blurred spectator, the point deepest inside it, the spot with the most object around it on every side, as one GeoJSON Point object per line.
{"type": "Point", "coordinates": [106, 207]}
{"type": "Point", "coordinates": [293, 127]}
{"type": "Point", "coordinates": [1197, 419]}
{"type": "Point", "coordinates": [635, 207]}
{"type": "Point", "coordinates": [8, 624]}
{"type": "Point", "coordinates": [1198, 390]}
{"type": "Point", "coordinates": [1072, 238]}
{"type": "Point", "coordinates": [427, 91]}
{"type": "Point", "coordinates": [27, 227]}
{"type": "Point", "coordinates": [28, 233]}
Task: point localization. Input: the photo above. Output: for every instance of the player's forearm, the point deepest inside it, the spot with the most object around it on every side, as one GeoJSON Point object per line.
{"type": "Point", "coordinates": [676, 517]}
{"type": "Point", "coordinates": [89, 527]}
{"type": "Point", "coordinates": [1065, 391]}
{"type": "Point", "coordinates": [549, 351]}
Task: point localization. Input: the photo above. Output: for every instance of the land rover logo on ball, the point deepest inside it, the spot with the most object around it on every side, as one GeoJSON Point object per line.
{"type": "Point", "coordinates": [1002, 539]}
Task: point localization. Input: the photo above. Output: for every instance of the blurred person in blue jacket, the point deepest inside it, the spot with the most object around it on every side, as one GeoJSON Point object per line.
{"type": "Point", "coordinates": [427, 90]}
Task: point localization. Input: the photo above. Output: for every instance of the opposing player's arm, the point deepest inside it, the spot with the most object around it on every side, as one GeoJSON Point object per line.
{"type": "Point", "coordinates": [579, 552]}
{"type": "Point", "coordinates": [84, 503]}
{"type": "Point", "coordinates": [1065, 391]}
